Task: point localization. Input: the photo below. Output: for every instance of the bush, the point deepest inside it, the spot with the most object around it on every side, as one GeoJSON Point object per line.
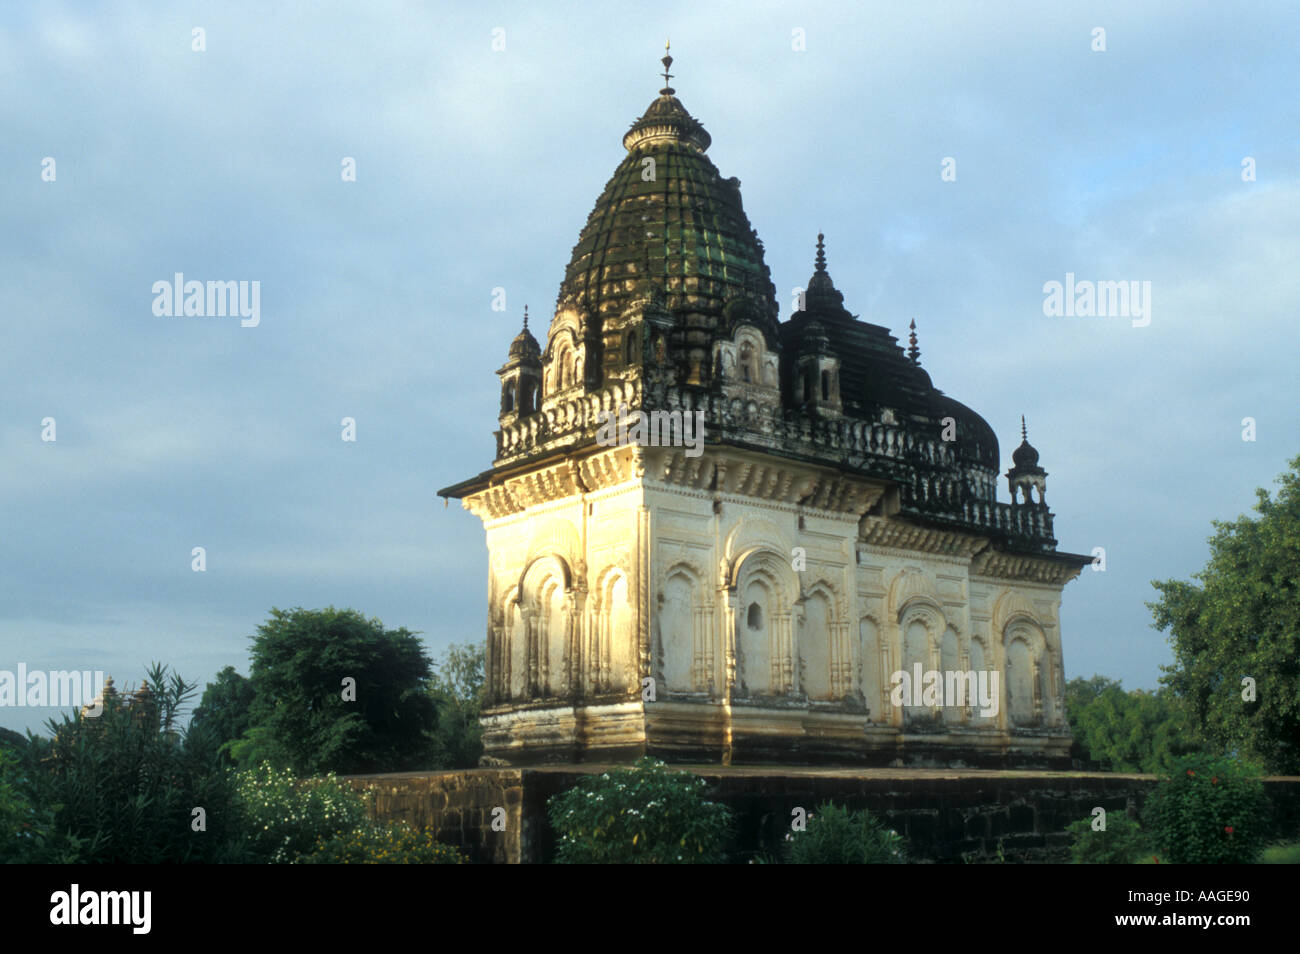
{"type": "Point", "coordinates": [28, 834]}
{"type": "Point", "coordinates": [646, 814]}
{"type": "Point", "coordinates": [1122, 843]}
{"type": "Point", "coordinates": [286, 817]}
{"type": "Point", "coordinates": [397, 844]}
{"type": "Point", "coordinates": [1282, 853]}
{"type": "Point", "coordinates": [1209, 811]}
{"type": "Point", "coordinates": [125, 786]}
{"type": "Point", "coordinates": [837, 836]}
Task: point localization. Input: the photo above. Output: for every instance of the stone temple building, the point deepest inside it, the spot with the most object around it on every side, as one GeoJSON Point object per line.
{"type": "Point", "coordinates": [748, 593]}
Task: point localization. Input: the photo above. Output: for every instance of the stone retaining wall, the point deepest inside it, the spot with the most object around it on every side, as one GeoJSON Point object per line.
{"type": "Point", "coordinates": [946, 815]}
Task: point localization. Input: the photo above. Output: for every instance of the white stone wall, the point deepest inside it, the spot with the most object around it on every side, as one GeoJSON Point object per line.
{"type": "Point", "coordinates": [718, 580]}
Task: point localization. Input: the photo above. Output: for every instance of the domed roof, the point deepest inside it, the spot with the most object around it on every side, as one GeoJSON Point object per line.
{"type": "Point", "coordinates": [1024, 457]}
{"type": "Point", "coordinates": [668, 216]}
{"type": "Point", "coordinates": [525, 345]}
{"type": "Point", "coordinates": [875, 372]}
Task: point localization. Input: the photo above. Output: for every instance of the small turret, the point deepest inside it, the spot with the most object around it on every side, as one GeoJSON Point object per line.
{"type": "Point", "coordinates": [521, 376]}
{"type": "Point", "coordinates": [1025, 474]}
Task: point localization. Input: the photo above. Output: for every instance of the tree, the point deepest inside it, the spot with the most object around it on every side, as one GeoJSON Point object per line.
{"type": "Point", "coordinates": [457, 689]}
{"type": "Point", "coordinates": [1136, 731]}
{"type": "Point", "coordinates": [336, 692]}
{"type": "Point", "coordinates": [1236, 635]}
{"type": "Point", "coordinates": [223, 714]}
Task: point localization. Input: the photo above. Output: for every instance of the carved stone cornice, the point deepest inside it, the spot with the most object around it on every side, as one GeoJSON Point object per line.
{"type": "Point", "coordinates": [1001, 565]}
{"type": "Point", "coordinates": [559, 481]}
{"type": "Point", "coordinates": [894, 534]}
{"type": "Point", "coordinates": [776, 481]}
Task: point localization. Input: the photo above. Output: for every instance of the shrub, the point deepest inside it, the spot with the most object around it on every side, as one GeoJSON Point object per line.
{"type": "Point", "coordinates": [28, 834]}
{"type": "Point", "coordinates": [1122, 843]}
{"type": "Point", "coordinates": [1208, 811]}
{"type": "Point", "coordinates": [1282, 853]}
{"type": "Point", "coordinates": [396, 844]}
{"type": "Point", "coordinates": [837, 836]}
{"type": "Point", "coordinates": [124, 785]}
{"type": "Point", "coordinates": [645, 814]}
{"type": "Point", "coordinates": [286, 817]}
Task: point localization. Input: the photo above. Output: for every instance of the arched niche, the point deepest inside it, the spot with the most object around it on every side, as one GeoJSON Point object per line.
{"type": "Point", "coordinates": [872, 680]}
{"type": "Point", "coordinates": [921, 625]}
{"type": "Point", "coordinates": [765, 589]}
{"type": "Point", "coordinates": [980, 665]}
{"type": "Point", "coordinates": [678, 606]}
{"type": "Point", "coordinates": [545, 600]}
{"type": "Point", "coordinates": [614, 652]}
{"type": "Point", "coordinates": [817, 652]}
{"type": "Point", "coordinates": [1028, 663]}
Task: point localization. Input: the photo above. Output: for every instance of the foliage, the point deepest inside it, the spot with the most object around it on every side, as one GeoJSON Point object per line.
{"type": "Point", "coordinates": [305, 717]}
{"type": "Point", "coordinates": [286, 817]}
{"type": "Point", "coordinates": [1122, 843]}
{"type": "Point", "coordinates": [1208, 811]}
{"type": "Point", "coordinates": [222, 715]}
{"type": "Point", "coordinates": [646, 813]}
{"type": "Point", "coordinates": [1134, 731]}
{"type": "Point", "coordinates": [125, 786]}
{"type": "Point", "coordinates": [396, 844]}
{"type": "Point", "coordinates": [1243, 620]}
{"type": "Point", "coordinates": [456, 687]}
{"type": "Point", "coordinates": [1282, 853]}
{"type": "Point", "coordinates": [836, 836]}
{"type": "Point", "coordinates": [28, 834]}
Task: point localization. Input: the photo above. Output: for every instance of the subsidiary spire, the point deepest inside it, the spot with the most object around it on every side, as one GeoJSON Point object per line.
{"type": "Point", "coordinates": [913, 351]}
{"type": "Point", "coordinates": [822, 296]}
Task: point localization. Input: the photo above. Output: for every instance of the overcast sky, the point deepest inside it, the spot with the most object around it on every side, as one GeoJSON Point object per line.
{"type": "Point", "coordinates": [476, 168]}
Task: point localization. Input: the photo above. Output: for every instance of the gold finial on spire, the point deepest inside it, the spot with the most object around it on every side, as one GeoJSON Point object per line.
{"type": "Point", "coordinates": [667, 61]}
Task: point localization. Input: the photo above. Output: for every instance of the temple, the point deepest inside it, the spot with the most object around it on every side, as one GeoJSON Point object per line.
{"type": "Point", "coordinates": [762, 596]}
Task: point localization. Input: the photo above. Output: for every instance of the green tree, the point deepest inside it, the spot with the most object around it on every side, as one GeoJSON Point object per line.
{"type": "Point", "coordinates": [336, 692]}
{"type": "Point", "coordinates": [222, 715]}
{"type": "Point", "coordinates": [1135, 731]}
{"type": "Point", "coordinates": [1242, 622]}
{"type": "Point", "coordinates": [457, 690]}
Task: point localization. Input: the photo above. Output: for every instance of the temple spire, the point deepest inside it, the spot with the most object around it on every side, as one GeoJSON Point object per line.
{"type": "Point", "coordinates": [667, 61]}
{"type": "Point", "coordinates": [1024, 431]}
{"type": "Point", "coordinates": [525, 317]}
{"type": "Point", "coordinates": [913, 351]}
{"type": "Point", "coordinates": [821, 252]}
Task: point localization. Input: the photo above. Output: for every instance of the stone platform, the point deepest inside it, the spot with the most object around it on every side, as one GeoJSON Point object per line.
{"type": "Point", "coordinates": [947, 815]}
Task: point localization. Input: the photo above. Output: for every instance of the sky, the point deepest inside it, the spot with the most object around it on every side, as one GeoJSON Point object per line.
{"type": "Point", "coordinates": [481, 136]}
